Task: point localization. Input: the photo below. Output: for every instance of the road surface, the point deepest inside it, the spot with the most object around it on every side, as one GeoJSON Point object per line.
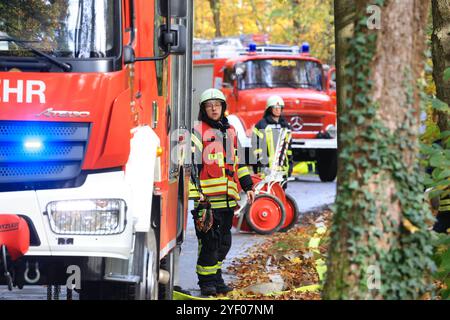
{"type": "Point", "coordinates": [309, 193]}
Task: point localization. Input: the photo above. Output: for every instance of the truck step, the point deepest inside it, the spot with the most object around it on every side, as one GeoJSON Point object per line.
{"type": "Point", "coordinates": [122, 278]}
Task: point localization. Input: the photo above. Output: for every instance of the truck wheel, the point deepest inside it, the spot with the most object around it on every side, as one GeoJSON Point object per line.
{"type": "Point", "coordinates": [291, 214]}
{"type": "Point", "coordinates": [327, 165]}
{"type": "Point", "coordinates": [148, 287]}
{"type": "Point", "coordinates": [266, 215]}
{"type": "Point", "coordinates": [168, 264]}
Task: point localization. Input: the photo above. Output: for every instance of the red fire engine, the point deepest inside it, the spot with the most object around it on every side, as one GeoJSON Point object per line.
{"type": "Point", "coordinates": [94, 95]}
{"type": "Point", "coordinates": [248, 76]}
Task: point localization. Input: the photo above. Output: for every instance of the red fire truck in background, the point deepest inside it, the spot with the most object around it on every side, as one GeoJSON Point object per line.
{"type": "Point", "coordinates": [248, 76]}
{"type": "Point", "coordinates": [93, 95]}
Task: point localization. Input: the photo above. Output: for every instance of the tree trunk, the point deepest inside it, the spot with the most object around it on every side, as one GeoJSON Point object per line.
{"type": "Point", "coordinates": [441, 55]}
{"type": "Point", "coordinates": [215, 8]}
{"type": "Point", "coordinates": [379, 246]}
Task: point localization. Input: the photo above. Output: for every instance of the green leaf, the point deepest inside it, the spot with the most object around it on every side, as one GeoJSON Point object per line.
{"type": "Point", "coordinates": [447, 74]}
{"type": "Point", "coordinates": [445, 134]}
{"type": "Point", "coordinates": [439, 105]}
{"type": "Point", "coordinates": [437, 160]}
{"type": "Point", "coordinates": [444, 174]}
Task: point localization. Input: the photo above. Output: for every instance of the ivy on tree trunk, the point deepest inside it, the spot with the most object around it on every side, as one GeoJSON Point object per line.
{"type": "Point", "coordinates": [441, 55]}
{"type": "Point", "coordinates": [380, 247]}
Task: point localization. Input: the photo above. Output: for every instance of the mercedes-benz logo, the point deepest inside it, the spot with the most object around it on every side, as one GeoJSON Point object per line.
{"type": "Point", "coordinates": [296, 123]}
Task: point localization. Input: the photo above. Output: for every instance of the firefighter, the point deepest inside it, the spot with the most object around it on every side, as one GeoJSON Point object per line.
{"type": "Point", "coordinates": [215, 187]}
{"type": "Point", "coordinates": [442, 224]}
{"type": "Point", "coordinates": [265, 136]}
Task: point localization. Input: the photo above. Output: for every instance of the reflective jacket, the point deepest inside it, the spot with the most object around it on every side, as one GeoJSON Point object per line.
{"type": "Point", "coordinates": [444, 204]}
{"type": "Point", "coordinates": [264, 142]}
{"type": "Point", "coordinates": [215, 157]}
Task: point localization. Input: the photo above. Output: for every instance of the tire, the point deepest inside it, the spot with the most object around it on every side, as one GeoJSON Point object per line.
{"type": "Point", "coordinates": [149, 287]}
{"type": "Point", "coordinates": [291, 217]}
{"type": "Point", "coordinates": [266, 215]}
{"type": "Point", "coordinates": [327, 165]}
{"type": "Point", "coordinates": [145, 265]}
{"type": "Point", "coordinates": [168, 264]}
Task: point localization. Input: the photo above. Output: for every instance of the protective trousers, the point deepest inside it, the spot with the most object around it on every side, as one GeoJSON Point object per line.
{"type": "Point", "coordinates": [213, 247]}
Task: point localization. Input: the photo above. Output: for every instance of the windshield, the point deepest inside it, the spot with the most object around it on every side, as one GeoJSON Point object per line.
{"type": "Point", "coordinates": [276, 73]}
{"type": "Point", "coordinates": [61, 28]}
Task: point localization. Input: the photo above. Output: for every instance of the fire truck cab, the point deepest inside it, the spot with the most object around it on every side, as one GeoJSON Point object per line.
{"type": "Point", "coordinates": [94, 96]}
{"type": "Point", "coordinates": [248, 76]}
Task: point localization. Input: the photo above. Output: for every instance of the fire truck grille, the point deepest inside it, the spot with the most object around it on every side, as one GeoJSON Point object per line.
{"type": "Point", "coordinates": [41, 152]}
{"type": "Point", "coordinates": [306, 124]}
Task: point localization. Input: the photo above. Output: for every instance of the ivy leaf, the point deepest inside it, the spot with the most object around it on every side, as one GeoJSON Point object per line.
{"type": "Point", "coordinates": [437, 160]}
{"type": "Point", "coordinates": [439, 105]}
{"type": "Point", "coordinates": [444, 174]}
{"type": "Point", "coordinates": [447, 74]}
{"type": "Point", "coordinates": [445, 134]}
{"type": "Point", "coordinates": [353, 185]}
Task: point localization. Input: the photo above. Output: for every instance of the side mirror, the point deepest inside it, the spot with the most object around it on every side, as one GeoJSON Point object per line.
{"type": "Point", "coordinates": [171, 37]}
{"type": "Point", "coordinates": [178, 8]}
{"type": "Point", "coordinates": [331, 81]}
{"type": "Point", "coordinates": [176, 39]}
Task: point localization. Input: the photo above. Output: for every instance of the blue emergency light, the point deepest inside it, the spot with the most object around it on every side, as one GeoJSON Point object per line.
{"type": "Point", "coordinates": [252, 47]}
{"type": "Point", "coordinates": [305, 47]}
{"type": "Point", "coordinates": [33, 145]}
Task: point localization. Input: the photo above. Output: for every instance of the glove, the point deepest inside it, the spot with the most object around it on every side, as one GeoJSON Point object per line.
{"type": "Point", "coordinates": [203, 217]}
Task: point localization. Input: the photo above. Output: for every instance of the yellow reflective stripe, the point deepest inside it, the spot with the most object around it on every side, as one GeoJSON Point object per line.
{"type": "Point", "coordinates": [258, 133]}
{"type": "Point", "coordinates": [270, 146]}
{"type": "Point", "coordinates": [221, 189]}
{"type": "Point", "coordinates": [444, 208]}
{"type": "Point", "coordinates": [213, 181]}
{"type": "Point", "coordinates": [193, 192]}
{"type": "Point", "coordinates": [257, 151]}
{"type": "Point", "coordinates": [445, 201]}
{"type": "Point", "coordinates": [243, 171]}
{"type": "Point", "coordinates": [207, 270]}
{"type": "Point", "coordinates": [197, 142]}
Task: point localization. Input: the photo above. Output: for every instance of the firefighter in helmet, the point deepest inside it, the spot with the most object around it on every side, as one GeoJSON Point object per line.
{"type": "Point", "coordinates": [265, 137]}
{"type": "Point", "coordinates": [216, 182]}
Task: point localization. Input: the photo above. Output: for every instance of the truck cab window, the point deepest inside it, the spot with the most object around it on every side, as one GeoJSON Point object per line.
{"type": "Point", "coordinates": [77, 29]}
{"type": "Point", "coordinates": [279, 73]}
{"type": "Point", "coordinates": [227, 78]}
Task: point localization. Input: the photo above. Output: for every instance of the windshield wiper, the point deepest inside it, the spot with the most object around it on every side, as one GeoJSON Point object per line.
{"type": "Point", "coordinates": [66, 67]}
{"type": "Point", "coordinates": [297, 84]}
{"type": "Point", "coordinates": [263, 84]}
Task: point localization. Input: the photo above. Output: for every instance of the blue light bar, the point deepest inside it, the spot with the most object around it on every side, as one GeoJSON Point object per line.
{"type": "Point", "coordinates": [252, 47]}
{"type": "Point", "coordinates": [305, 47]}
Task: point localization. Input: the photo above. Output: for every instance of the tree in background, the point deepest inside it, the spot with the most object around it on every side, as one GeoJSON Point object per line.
{"type": "Point", "coordinates": [215, 8]}
{"type": "Point", "coordinates": [380, 247]}
{"type": "Point", "coordinates": [441, 56]}
{"type": "Point", "coordinates": [286, 21]}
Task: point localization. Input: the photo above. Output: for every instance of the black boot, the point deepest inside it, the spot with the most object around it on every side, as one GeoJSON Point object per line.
{"type": "Point", "coordinates": [208, 290]}
{"type": "Point", "coordinates": [221, 287]}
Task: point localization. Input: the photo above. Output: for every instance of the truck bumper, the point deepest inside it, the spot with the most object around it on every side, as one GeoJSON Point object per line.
{"type": "Point", "coordinates": [314, 143]}
{"type": "Point", "coordinates": [33, 204]}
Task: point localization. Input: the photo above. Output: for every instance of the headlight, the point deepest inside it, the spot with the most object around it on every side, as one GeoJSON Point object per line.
{"type": "Point", "coordinates": [332, 131]}
{"type": "Point", "coordinates": [87, 217]}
